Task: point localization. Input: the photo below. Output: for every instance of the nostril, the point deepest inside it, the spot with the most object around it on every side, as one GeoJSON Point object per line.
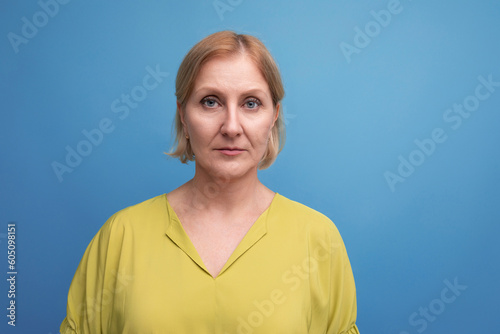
{"type": "Point", "coordinates": [231, 126]}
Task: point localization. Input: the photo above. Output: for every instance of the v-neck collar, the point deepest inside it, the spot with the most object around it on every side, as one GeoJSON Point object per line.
{"type": "Point", "coordinates": [175, 231]}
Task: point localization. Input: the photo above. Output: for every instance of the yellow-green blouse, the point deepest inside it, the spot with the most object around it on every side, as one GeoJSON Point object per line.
{"type": "Point", "coordinates": [141, 274]}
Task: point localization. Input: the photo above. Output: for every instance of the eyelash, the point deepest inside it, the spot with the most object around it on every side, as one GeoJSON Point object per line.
{"type": "Point", "coordinates": [206, 99]}
{"type": "Point", "coordinates": [254, 100]}
{"type": "Point", "coordinates": [214, 99]}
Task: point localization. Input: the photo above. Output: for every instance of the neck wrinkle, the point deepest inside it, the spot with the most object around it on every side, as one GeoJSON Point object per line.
{"type": "Point", "coordinates": [223, 194]}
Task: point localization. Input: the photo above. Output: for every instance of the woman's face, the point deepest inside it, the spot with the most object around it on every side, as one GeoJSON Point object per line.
{"type": "Point", "coordinates": [229, 117]}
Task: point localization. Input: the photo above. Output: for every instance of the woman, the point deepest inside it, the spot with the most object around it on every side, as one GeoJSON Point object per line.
{"type": "Point", "coordinates": [222, 253]}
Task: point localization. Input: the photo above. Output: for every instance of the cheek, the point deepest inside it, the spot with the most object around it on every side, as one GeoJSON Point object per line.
{"type": "Point", "coordinates": [262, 136]}
{"type": "Point", "coordinates": [201, 132]}
{"type": "Point", "coordinates": [194, 126]}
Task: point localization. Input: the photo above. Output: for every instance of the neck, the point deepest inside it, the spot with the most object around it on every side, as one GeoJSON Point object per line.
{"type": "Point", "coordinates": [225, 194]}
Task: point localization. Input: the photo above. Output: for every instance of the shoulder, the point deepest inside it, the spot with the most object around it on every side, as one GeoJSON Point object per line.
{"type": "Point", "coordinates": [295, 208]}
{"type": "Point", "coordinates": [129, 228]}
{"type": "Point", "coordinates": [148, 207]}
{"type": "Point", "coordinates": [139, 215]}
{"type": "Point", "coordinates": [297, 215]}
{"type": "Point", "coordinates": [301, 227]}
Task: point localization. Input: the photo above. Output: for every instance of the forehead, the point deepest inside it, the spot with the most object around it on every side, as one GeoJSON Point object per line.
{"type": "Point", "coordinates": [235, 72]}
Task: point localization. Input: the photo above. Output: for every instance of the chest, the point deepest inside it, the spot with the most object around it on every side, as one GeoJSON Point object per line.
{"type": "Point", "coordinates": [215, 242]}
{"type": "Point", "coordinates": [260, 293]}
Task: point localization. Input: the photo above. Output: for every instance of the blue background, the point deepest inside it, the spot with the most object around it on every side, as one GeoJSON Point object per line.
{"type": "Point", "coordinates": [349, 119]}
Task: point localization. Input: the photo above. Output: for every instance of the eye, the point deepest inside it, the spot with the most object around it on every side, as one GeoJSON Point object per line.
{"type": "Point", "coordinates": [210, 102]}
{"type": "Point", "coordinates": [252, 103]}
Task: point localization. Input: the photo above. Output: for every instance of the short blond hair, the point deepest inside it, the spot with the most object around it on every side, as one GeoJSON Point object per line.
{"type": "Point", "coordinates": [227, 43]}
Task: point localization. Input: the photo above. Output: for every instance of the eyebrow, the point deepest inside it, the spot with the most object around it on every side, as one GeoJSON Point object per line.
{"type": "Point", "coordinates": [217, 91]}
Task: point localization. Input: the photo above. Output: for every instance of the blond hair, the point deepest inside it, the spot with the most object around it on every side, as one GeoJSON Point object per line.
{"type": "Point", "coordinates": [227, 43]}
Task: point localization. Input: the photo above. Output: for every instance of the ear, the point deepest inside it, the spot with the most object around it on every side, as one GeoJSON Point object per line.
{"type": "Point", "coordinates": [181, 112]}
{"type": "Point", "coordinates": [278, 106]}
{"type": "Point", "coordinates": [181, 115]}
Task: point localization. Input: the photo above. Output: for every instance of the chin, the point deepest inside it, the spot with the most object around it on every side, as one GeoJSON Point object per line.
{"type": "Point", "coordinates": [230, 170]}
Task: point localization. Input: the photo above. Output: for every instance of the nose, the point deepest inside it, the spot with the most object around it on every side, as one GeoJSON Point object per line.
{"type": "Point", "coordinates": [231, 124]}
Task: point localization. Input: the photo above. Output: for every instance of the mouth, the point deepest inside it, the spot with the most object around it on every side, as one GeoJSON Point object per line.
{"type": "Point", "coordinates": [230, 150]}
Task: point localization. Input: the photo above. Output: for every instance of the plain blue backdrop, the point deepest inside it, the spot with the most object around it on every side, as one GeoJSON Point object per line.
{"type": "Point", "coordinates": [392, 132]}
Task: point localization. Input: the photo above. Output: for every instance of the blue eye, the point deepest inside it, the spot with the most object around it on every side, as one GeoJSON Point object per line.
{"type": "Point", "coordinates": [209, 102]}
{"type": "Point", "coordinates": [252, 103]}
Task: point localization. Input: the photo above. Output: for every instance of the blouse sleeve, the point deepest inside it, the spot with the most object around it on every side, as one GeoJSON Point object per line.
{"type": "Point", "coordinates": [342, 308]}
{"type": "Point", "coordinates": [93, 287]}
{"type": "Point", "coordinates": [334, 292]}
